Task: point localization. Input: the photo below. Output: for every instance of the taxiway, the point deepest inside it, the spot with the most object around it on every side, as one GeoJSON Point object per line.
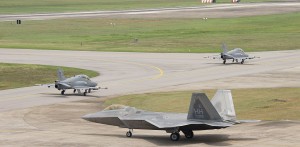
{"type": "Point", "coordinates": [39, 116]}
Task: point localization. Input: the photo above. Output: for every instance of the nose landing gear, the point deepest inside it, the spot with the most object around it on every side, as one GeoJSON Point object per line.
{"type": "Point", "coordinates": [129, 134]}
{"type": "Point", "coordinates": [62, 92]}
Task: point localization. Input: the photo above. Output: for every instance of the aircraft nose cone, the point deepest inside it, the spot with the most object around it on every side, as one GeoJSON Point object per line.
{"type": "Point", "coordinates": [88, 117]}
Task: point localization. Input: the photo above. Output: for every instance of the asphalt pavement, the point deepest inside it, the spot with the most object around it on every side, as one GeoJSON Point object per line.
{"type": "Point", "coordinates": [130, 73]}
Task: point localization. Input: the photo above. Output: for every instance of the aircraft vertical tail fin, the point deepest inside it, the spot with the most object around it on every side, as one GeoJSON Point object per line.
{"type": "Point", "coordinates": [224, 48]}
{"type": "Point", "coordinates": [223, 103]}
{"type": "Point", "coordinates": [60, 74]}
{"type": "Point", "coordinates": [202, 109]}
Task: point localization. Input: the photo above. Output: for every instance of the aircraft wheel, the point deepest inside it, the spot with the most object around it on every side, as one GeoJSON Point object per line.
{"type": "Point", "coordinates": [84, 93]}
{"type": "Point", "coordinates": [128, 134]}
{"type": "Point", "coordinates": [242, 61]}
{"type": "Point", "coordinates": [224, 61]}
{"type": "Point", "coordinates": [189, 134]}
{"type": "Point", "coordinates": [62, 92]}
{"type": "Point", "coordinates": [175, 136]}
{"type": "Point", "coordinates": [89, 90]}
{"type": "Point", "coordinates": [74, 91]}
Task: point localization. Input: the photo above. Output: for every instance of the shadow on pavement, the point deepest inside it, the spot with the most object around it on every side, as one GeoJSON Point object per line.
{"type": "Point", "coordinates": [164, 140]}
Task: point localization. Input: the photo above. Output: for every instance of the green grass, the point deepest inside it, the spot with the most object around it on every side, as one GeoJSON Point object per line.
{"type": "Point", "coordinates": [43, 6]}
{"type": "Point", "coordinates": [262, 104]}
{"type": "Point", "coordinates": [257, 33]}
{"type": "Point", "coordinates": [23, 75]}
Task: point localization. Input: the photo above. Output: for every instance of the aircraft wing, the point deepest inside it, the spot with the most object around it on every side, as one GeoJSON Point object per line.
{"type": "Point", "coordinates": [247, 121]}
{"type": "Point", "coordinates": [173, 123]}
{"type": "Point", "coordinates": [53, 85]}
{"type": "Point", "coordinates": [244, 58]}
{"type": "Point", "coordinates": [213, 57]}
{"type": "Point", "coordinates": [86, 88]}
{"type": "Point", "coordinates": [253, 57]}
{"type": "Point", "coordinates": [202, 115]}
{"type": "Point", "coordinates": [48, 85]}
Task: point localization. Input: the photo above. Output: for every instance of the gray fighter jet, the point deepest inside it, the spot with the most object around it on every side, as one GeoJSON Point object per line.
{"type": "Point", "coordinates": [203, 115]}
{"type": "Point", "coordinates": [236, 54]}
{"type": "Point", "coordinates": [78, 83]}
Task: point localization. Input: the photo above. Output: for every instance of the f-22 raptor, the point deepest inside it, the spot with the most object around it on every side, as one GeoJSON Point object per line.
{"type": "Point", "coordinates": [203, 114]}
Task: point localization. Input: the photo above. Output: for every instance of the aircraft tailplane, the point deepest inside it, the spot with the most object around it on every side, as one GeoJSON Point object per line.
{"type": "Point", "coordinates": [223, 103]}
{"type": "Point", "coordinates": [202, 109]}
{"type": "Point", "coordinates": [224, 48]}
{"type": "Point", "coordinates": [60, 75]}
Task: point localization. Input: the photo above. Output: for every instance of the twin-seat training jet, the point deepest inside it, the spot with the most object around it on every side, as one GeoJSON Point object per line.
{"type": "Point", "coordinates": [236, 54]}
{"type": "Point", "coordinates": [78, 83]}
{"type": "Point", "coordinates": [203, 114]}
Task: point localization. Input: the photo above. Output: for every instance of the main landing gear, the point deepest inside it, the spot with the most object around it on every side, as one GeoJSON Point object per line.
{"type": "Point", "coordinates": [189, 134]}
{"type": "Point", "coordinates": [175, 136]}
{"type": "Point", "coordinates": [129, 134]}
{"type": "Point", "coordinates": [242, 61]}
{"type": "Point", "coordinates": [85, 92]}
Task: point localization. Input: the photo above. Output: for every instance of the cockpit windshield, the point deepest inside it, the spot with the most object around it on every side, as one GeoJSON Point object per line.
{"type": "Point", "coordinates": [85, 77]}
{"type": "Point", "coordinates": [239, 50]}
{"type": "Point", "coordinates": [236, 50]}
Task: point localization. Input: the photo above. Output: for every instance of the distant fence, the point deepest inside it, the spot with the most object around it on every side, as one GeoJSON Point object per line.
{"type": "Point", "coordinates": [213, 1]}
{"type": "Point", "coordinates": [208, 1]}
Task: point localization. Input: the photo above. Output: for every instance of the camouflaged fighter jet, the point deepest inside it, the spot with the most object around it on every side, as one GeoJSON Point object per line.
{"type": "Point", "coordinates": [203, 115]}
{"type": "Point", "coordinates": [77, 82]}
{"type": "Point", "coordinates": [236, 54]}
